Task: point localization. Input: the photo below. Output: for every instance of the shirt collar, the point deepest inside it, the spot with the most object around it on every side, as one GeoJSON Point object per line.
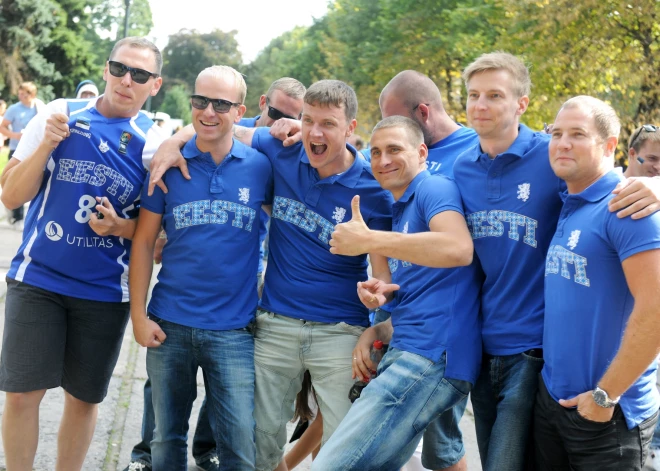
{"type": "Point", "coordinates": [517, 149]}
{"type": "Point", "coordinates": [598, 189]}
{"type": "Point", "coordinates": [351, 176]}
{"type": "Point", "coordinates": [421, 176]}
{"type": "Point", "coordinates": [190, 150]}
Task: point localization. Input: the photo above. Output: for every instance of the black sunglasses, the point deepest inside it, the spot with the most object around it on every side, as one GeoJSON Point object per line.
{"type": "Point", "coordinates": [275, 114]}
{"type": "Point", "coordinates": [141, 76]}
{"type": "Point", "coordinates": [219, 105]}
{"type": "Point", "coordinates": [645, 128]}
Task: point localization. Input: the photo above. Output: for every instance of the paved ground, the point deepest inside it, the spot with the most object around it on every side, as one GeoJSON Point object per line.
{"type": "Point", "coordinates": [120, 415]}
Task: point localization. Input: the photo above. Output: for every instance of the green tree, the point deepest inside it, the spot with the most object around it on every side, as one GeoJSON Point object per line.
{"type": "Point", "coordinates": [176, 103]}
{"type": "Point", "coordinates": [25, 28]}
{"type": "Point", "coordinates": [188, 52]}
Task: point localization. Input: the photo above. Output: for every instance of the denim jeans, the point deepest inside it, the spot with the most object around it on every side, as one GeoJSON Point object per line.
{"type": "Point", "coordinates": [227, 359]}
{"type": "Point", "coordinates": [384, 426]}
{"type": "Point", "coordinates": [284, 348]}
{"type": "Point", "coordinates": [567, 441]}
{"type": "Point", "coordinates": [443, 441]}
{"type": "Point", "coordinates": [203, 446]}
{"type": "Point", "coordinates": [503, 401]}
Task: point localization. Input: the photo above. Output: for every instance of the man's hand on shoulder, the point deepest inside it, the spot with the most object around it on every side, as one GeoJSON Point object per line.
{"type": "Point", "coordinates": [167, 156]}
{"type": "Point", "coordinates": [637, 197]}
{"type": "Point", "coordinates": [289, 131]}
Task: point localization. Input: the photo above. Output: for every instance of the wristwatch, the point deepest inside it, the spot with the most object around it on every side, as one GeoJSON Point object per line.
{"type": "Point", "coordinates": [602, 399]}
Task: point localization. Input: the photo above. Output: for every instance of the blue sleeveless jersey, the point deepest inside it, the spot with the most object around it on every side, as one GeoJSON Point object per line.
{"type": "Point", "coordinates": [102, 157]}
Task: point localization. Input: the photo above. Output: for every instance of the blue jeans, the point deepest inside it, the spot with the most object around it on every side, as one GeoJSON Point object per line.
{"type": "Point", "coordinates": [384, 426]}
{"type": "Point", "coordinates": [227, 359]}
{"type": "Point", "coordinates": [443, 441]}
{"type": "Point", "coordinates": [503, 401]}
{"type": "Point", "coordinates": [203, 446]}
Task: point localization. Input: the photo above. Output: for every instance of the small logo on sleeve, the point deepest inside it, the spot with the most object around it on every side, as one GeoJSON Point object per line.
{"type": "Point", "coordinates": [523, 192]}
{"type": "Point", "coordinates": [573, 240]}
{"type": "Point", "coordinates": [244, 195]}
{"type": "Point", "coordinates": [339, 214]}
{"type": "Point", "coordinates": [123, 141]}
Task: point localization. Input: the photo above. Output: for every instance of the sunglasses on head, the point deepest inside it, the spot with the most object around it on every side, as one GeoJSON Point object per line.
{"type": "Point", "coordinates": [645, 128]}
{"type": "Point", "coordinates": [141, 76]}
{"type": "Point", "coordinates": [219, 105]}
{"type": "Point", "coordinates": [275, 114]}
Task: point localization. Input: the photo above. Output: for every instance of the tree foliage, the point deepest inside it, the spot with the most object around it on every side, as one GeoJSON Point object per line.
{"type": "Point", "coordinates": [177, 103]}
{"type": "Point", "coordinates": [188, 52]}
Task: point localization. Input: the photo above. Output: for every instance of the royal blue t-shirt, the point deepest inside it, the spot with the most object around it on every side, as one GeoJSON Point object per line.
{"type": "Point", "coordinates": [211, 221]}
{"type": "Point", "coordinates": [304, 280]}
{"type": "Point", "coordinates": [103, 157]}
{"type": "Point", "coordinates": [512, 205]}
{"type": "Point", "coordinates": [444, 153]}
{"type": "Point", "coordinates": [587, 300]}
{"type": "Point", "coordinates": [263, 215]}
{"type": "Point", "coordinates": [437, 309]}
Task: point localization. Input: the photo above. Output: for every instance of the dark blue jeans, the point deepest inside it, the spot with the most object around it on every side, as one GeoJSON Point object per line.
{"type": "Point", "coordinates": [503, 401]}
{"type": "Point", "coordinates": [203, 446]}
{"type": "Point", "coordinates": [227, 359]}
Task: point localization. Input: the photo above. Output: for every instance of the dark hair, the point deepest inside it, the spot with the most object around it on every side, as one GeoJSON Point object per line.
{"type": "Point", "coordinates": [303, 411]}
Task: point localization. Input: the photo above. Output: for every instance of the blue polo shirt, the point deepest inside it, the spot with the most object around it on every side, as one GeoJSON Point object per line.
{"type": "Point", "coordinates": [304, 280]}
{"type": "Point", "coordinates": [587, 300]}
{"type": "Point", "coordinates": [443, 153]}
{"type": "Point", "coordinates": [249, 122]}
{"type": "Point", "coordinates": [437, 309]}
{"type": "Point", "coordinates": [211, 221]}
{"type": "Point", "coordinates": [512, 205]}
{"type": "Point", "coordinates": [263, 216]}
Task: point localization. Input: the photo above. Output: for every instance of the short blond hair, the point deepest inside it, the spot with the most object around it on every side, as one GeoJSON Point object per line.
{"type": "Point", "coordinates": [224, 71]}
{"type": "Point", "coordinates": [289, 86]}
{"type": "Point", "coordinates": [522, 84]}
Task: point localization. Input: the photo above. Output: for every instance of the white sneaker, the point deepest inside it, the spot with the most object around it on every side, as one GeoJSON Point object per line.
{"type": "Point", "coordinates": [654, 459]}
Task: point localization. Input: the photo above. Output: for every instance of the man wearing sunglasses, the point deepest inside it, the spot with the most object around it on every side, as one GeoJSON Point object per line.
{"type": "Point", "coordinates": [644, 152]}
{"type": "Point", "coordinates": [205, 296]}
{"type": "Point", "coordinates": [310, 306]}
{"type": "Point", "coordinates": [82, 163]}
{"type": "Point", "coordinates": [284, 99]}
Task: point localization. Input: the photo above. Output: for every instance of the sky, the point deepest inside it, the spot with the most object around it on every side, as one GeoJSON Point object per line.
{"type": "Point", "coordinates": [257, 21]}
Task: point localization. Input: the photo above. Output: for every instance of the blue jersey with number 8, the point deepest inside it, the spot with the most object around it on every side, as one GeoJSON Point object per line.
{"type": "Point", "coordinates": [102, 157]}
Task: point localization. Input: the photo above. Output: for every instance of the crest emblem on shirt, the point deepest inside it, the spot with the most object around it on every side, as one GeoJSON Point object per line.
{"type": "Point", "coordinates": [339, 214]}
{"type": "Point", "coordinates": [244, 195]}
{"type": "Point", "coordinates": [573, 239]}
{"type": "Point", "coordinates": [523, 191]}
{"type": "Point", "coordinates": [123, 141]}
{"type": "Point", "coordinates": [103, 146]}
{"type": "Point", "coordinates": [405, 228]}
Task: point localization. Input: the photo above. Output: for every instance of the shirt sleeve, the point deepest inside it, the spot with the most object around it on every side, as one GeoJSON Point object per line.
{"type": "Point", "coordinates": [630, 236]}
{"type": "Point", "coordinates": [156, 202]}
{"type": "Point", "coordinates": [33, 133]}
{"type": "Point", "coordinates": [265, 143]}
{"type": "Point", "coordinates": [155, 137]}
{"type": "Point", "coordinates": [436, 195]}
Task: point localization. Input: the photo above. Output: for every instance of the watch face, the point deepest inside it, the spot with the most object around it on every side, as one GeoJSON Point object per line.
{"type": "Point", "coordinates": [600, 397]}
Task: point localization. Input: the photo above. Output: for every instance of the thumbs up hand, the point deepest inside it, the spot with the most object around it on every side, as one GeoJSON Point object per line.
{"type": "Point", "coordinates": [352, 237]}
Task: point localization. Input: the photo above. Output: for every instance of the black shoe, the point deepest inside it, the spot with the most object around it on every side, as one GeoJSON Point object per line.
{"type": "Point", "coordinates": [211, 464]}
{"type": "Point", "coordinates": [138, 465]}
